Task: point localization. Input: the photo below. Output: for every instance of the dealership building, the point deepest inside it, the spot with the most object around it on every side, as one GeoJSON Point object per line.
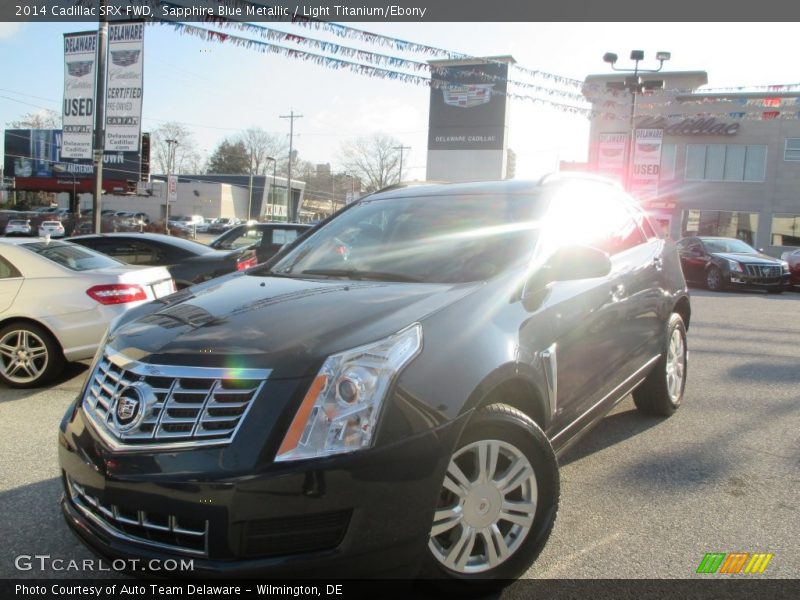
{"type": "Point", "coordinates": [729, 161]}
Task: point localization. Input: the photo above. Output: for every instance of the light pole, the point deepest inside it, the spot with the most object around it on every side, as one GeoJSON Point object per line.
{"type": "Point", "coordinates": [634, 84]}
{"type": "Point", "coordinates": [401, 148]}
{"type": "Point", "coordinates": [171, 146]}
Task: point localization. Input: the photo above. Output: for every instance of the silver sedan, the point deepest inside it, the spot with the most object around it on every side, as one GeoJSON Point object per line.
{"type": "Point", "coordinates": [56, 302]}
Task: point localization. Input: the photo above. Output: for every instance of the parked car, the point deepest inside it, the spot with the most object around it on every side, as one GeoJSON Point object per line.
{"type": "Point", "coordinates": [792, 258]}
{"type": "Point", "coordinates": [188, 262]}
{"type": "Point", "coordinates": [51, 228]}
{"type": "Point", "coordinates": [387, 394]}
{"type": "Point", "coordinates": [56, 301]}
{"type": "Point", "coordinates": [720, 263]}
{"type": "Point", "coordinates": [222, 224]}
{"type": "Point", "coordinates": [18, 227]}
{"type": "Point", "coordinates": [265, 238]}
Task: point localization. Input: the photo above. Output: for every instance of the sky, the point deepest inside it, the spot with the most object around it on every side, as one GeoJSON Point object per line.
{"type": "Point", "coordinates": [218, 90]}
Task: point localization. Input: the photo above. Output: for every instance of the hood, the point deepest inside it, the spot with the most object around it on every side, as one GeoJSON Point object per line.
{"type": "Point", "coordinates": [748, 258]}
{"type": "Point", "coordinates": [287, 325]}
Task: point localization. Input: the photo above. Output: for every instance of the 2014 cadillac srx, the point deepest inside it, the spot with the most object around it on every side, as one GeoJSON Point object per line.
{"type": "Point", "coordinates": [386, 395]}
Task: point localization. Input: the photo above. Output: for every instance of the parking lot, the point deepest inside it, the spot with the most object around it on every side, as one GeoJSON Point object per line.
{"type": "Point", "coordinates": [641, 497]}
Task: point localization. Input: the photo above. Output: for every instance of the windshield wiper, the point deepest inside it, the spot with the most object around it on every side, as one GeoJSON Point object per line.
{"type": "Point", "coordinates": [358, 275]}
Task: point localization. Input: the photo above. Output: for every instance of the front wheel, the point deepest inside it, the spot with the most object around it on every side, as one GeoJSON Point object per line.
{"type": "Point", "coordinates": [662, 392]}
{"type": "Point", "coordinates": [714, 280]}
{"type": "Point", "coordinates": [498, 500]}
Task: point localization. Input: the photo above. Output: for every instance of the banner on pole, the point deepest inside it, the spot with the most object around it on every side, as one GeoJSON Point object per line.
{"type": "Point", "coordinates": [124, 83]}
{"type": "Point", "coordinates": [80, 67]}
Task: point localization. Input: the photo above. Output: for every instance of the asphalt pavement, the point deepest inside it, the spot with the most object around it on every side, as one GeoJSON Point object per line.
{"type": "Point", "coordinates": [641, 497]}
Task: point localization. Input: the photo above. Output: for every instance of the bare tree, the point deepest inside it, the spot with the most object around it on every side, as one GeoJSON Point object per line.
{"type": "Point", "coordinates": [374, 159]}
{"type": "Point", "coordinates": [187, 156]}
{"type": "Point", "coordinates": [260, 146]}
{"type": "Point", "coordinates": [42, 119]}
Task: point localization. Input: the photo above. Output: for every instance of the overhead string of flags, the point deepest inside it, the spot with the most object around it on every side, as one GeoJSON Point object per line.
{"type": "Point", "coordinates": [593, 101]}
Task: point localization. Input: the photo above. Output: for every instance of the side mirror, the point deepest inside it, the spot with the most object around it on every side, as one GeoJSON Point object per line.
{"type": "Point", "coordinates": [577, 262]}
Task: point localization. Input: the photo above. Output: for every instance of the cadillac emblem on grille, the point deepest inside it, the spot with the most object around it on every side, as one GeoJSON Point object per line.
{"type": "Point", "coordinates": [131, 403]}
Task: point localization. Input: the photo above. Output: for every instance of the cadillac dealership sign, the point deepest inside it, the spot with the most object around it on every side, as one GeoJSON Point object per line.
{"type": "Point", "coordinates": [468, 107]}
{"type": "Point", "coordinates": [701, 126]}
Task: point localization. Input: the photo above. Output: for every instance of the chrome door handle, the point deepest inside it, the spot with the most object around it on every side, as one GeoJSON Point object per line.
{"type": "Point", "coordinates": [658, 263]}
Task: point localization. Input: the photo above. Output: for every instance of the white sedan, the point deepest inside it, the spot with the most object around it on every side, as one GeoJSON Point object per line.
{"type": "Point", "coordinates": [56, 302]}
{"type": "Point", "coordinates": [51, 228]}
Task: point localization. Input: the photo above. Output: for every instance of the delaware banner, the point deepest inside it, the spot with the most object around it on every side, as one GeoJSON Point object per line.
{"type": "Point", "coordinates": [124, 86]}
{"type": "Point", "coordinates": [646, 163]}
{"type": "Point", "coordinates": [611, 152]}
{"type": "Point", "coordinates": [80, 59]}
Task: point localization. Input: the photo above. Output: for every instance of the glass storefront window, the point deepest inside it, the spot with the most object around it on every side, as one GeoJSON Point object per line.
{"type": "Point", "coordinates": [791, 150]}
{"type": "Point", "coordinates": [786, 230]}
{"type": "Point", "coordinates": [725, 162]}
{"type": "Point", "coordinates": [740, 225]}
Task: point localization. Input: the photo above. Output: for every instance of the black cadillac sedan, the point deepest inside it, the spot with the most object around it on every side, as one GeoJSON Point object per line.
{"type": "Point", "coordinates": [386, 396]}
{"type": "Point", "coordinates": [188, 262]}
{"type": "Point", "coordinates": [720, 263]}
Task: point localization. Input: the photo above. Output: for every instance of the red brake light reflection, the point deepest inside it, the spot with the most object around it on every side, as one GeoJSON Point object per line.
{"type": "Point", "coordinates": [117, 293]}
{"type": "Point", "coordinates": [246, 263]}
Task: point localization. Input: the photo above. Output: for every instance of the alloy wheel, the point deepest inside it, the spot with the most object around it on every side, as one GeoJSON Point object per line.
{"type": "Point", "coordinates": [23, 356]}
{"type": "Point", "coordinates": [676, 365]}
{"type": "Point", "coordinates": [486, 507]}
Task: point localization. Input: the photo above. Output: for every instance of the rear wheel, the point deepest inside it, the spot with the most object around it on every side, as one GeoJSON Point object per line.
{"type": "Point", "coordinates": [662, 392]}
{"type": "Point", "coordinates": [29, 356]}
{"type": "Point", "coordinates": [498, 501]}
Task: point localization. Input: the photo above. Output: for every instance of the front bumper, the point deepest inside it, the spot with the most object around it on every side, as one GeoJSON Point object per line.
{"type": "Point", "coordinates": [357, 515]}
{"type": "Point", "coordinates": [736, 278]}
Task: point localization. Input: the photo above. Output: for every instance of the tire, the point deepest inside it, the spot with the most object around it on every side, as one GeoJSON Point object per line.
{"type": "Point", "coordinates": [714, 280]}
{"type": "Point", "coordinates": [29, 356]}
{"type": "Point", "coordinates": [471, 537]}
{"type": "Point", "coordinates": [662, 392]}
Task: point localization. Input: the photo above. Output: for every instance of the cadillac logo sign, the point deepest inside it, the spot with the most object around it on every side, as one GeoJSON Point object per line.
{"type": "Point", "coordinates": [467, 96]}
{"type": "Point", "coordinates": [124, 58]}
{"type": "Point", "coordinates": [131, 404]}
{"type": "Point", "coordinates": [79, 68]}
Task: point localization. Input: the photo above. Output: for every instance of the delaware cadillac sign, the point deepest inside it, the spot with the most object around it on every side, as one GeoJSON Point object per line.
{"type": "Point", "coordinates": [468, 107]}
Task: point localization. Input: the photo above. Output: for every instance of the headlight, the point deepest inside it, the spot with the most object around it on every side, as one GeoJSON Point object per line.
{"type": "Point", "coordinates": [785, 266]}
{"type": "Point", "coordinates": [340, 411]}
{"type": "Point", "coordinates": [735, 266]}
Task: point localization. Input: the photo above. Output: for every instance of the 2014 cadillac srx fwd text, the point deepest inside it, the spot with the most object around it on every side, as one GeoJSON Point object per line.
{"type": "Point", "coordinates": [388, 394]}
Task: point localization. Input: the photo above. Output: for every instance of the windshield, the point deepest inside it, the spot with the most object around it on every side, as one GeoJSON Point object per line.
{"type": "Point", "coordinates": [728, 245]}
{"type": "Point", "coordinates": [72, 256]}
{"type": "Point", "coordinates": [441, 239]}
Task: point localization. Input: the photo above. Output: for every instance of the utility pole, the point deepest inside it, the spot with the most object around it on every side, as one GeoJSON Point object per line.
{"type": "Point", "coordinates": [289, 204]}
{"type": "Point", "coordinates": [171, 147]}
{"type": "Point", "coordinates": [401, 148]}
{"type": "Point", "coordinates": [100, 117]}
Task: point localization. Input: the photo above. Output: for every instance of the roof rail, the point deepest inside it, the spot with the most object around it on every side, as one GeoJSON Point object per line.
{"type": "Point", "coordinates": [557, 176]}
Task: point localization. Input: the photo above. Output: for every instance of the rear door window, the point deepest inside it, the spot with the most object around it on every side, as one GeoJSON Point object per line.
{"type": "Point", "coordinates": [72, 256]}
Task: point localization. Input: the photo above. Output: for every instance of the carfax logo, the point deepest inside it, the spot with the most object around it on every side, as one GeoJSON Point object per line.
{"type": "Point", "coordinates": [735, 562]}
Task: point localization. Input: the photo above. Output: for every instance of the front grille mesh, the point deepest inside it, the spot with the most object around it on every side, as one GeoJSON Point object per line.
{"type": "Point", "coordinates": [184, 536]}
{"type": "Point", "coordinates": [764, 271]}
{"type": "Point", "coordinates": [182, 407]}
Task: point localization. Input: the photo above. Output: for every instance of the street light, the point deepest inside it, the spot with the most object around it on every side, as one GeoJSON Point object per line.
{"type": "Point", "coordinates": [635, 85]}
{"type": "Point", "coordinates": [171, 146]}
